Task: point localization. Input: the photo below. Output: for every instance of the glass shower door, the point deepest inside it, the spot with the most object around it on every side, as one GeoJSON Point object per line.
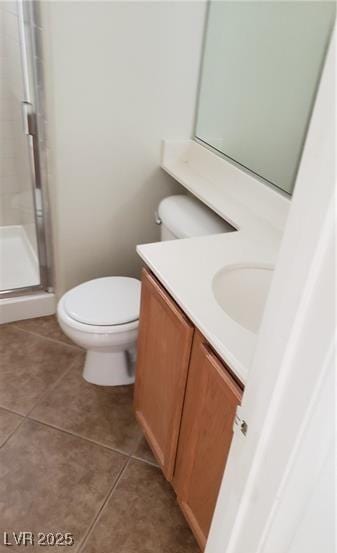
{"type": "Point", "coordinates": [21, 213]}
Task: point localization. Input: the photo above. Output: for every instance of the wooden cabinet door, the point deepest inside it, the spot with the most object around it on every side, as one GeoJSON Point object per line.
{"type": "Point", "coordinates": [164, 349]}
{"type": "Point", "coordinates": [212, 396]}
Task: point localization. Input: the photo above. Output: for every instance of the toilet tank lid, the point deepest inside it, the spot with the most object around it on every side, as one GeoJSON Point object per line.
{"type": "Point", "coordinates": [185, 216]}
{"type": "Point", "coordinates": [106, 301]}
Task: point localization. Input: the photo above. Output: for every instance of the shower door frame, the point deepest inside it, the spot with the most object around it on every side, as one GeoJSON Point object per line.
{"type": "Point", "coordinates": [34, 128]}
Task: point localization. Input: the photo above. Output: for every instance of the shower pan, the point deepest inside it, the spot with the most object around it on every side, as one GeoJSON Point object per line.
{"type": "Point", "coordinates": [25, 253]}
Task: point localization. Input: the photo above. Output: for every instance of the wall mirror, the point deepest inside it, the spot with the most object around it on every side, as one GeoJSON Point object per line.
{"type": "Point", "coordinates": [261, 68]}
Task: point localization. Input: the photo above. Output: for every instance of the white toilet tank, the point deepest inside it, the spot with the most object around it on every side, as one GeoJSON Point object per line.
{"type": "Point", "coordinates": [184, 216]}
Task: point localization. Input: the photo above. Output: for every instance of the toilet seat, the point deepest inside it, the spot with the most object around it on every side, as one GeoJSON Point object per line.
{"type": "Point", "coordinates": [85, 329]}
{"type": "Point", "coordinates": [104, 302]}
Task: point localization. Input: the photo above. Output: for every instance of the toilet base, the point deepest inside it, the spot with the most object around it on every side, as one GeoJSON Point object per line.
{"type": "Point", "coordinates": [107, 368]}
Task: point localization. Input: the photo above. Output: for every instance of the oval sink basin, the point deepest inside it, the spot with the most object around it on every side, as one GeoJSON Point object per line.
{"type": "Point", "coordinates": [241, 292]}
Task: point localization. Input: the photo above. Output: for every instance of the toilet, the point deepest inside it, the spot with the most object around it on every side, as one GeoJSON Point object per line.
{"type": "Point", "coordinates": [102, 315]}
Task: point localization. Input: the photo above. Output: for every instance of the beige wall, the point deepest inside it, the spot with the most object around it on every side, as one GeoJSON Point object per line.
{"type": "Point", "coordinates": [120, 77]}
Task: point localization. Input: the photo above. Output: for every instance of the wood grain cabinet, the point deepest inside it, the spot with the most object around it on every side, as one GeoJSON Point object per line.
{"type": "Point", "coordinates": [185, 402]}
{"type": "Point", "coordinates": [212, 396]}
{"type": "Point", "coordinates": [164, 349]}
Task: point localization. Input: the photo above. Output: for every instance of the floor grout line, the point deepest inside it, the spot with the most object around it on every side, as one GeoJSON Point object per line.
{"type": "Point", "coordinates": [55, 340]}
{"type": "Point", "coordinates": [12, 433]}
{"type": "Point", "coordinates": [109, 494]}
{"type": "Point", "coordinates": [42, 396]}
{"type": "Point", "coordinates": [92, 525]}
{"type": "Point", "coordinates": [146, 461]}
{"type": "Point", "coordinates": [74, 435]}
{"type": "Point", "coordinates": [50, 389]}
{"type": "Point", "coordinates": [137, 445]}
{"type": "Point", "coordinates": [131, 455]}
{"type": "Point", "coordinates": [26, 416]}
{"type": "Point", "coordinates": [128, 459]}
{"type": "Point", "coordinates": [135, 456]}
{"type": "Point", "coordinates": [29, 417]}
{"type": "Point", "coordinates": [12, 411]}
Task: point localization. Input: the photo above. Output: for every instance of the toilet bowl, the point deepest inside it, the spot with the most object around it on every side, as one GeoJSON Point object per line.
{"type": "Point", "coordinates": [101, 316]}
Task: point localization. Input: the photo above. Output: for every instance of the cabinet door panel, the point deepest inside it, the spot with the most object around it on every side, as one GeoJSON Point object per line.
{"type": "Point", "coordinates": [211, 399]}
{"type": "Point", "coordinates": [164, 348]}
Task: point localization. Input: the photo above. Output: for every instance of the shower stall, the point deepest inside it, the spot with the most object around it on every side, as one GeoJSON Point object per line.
{"type": "Point", "coordinates": [25, 253]}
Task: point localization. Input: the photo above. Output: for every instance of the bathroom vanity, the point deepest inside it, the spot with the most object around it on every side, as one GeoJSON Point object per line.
{"type": "Point", "coordinates": [199, 323]}
{"type": "Point", "coordinates": [202, 303]}
{"type": "Point", "coordinates": [185, 402]}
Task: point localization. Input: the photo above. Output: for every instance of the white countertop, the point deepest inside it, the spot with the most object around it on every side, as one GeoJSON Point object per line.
{"type": "Point", "coordinates": [186, 267]}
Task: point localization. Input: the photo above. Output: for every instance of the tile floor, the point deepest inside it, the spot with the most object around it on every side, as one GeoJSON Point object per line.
{"type": "Point", "coordinates": [72, 458]}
